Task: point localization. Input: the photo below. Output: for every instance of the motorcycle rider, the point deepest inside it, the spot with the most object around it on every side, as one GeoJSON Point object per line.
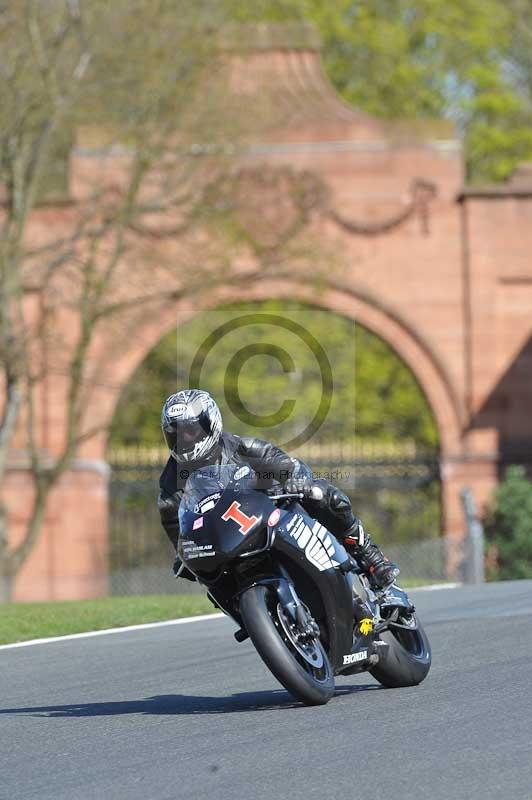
{"type": "Point", "coordinates": [192, 427]}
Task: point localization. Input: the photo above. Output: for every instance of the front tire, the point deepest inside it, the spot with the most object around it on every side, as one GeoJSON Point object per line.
{"type": "Point", "coordinates": [407, 659]}
{"type": "Point", "coordinates": [260, 614]}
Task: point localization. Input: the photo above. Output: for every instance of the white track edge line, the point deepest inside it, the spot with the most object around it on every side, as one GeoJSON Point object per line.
{"type": "Point", "coordinates": [435, 587]}
{"type": "Point", "coordinates": [104, 632]}
{"type": "Point", "coordinates": [181, 621]}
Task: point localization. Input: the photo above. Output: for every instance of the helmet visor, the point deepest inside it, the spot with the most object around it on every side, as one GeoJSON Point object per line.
{"type": "Point", "coordinates": [183, 437]}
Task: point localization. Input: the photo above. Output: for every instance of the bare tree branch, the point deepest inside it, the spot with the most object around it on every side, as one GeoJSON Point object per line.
{"type": "Point", "coordinates": [68, 69]}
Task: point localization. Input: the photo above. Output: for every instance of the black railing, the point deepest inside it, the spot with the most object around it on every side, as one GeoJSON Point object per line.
{"type": "Point", "coordinates": [397, 497]}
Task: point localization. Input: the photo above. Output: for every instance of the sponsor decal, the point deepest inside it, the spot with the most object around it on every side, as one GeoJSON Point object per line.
{"type": "Point", "coordinates": [352, 658]}
{"type": "Point", "coordinates": [245, 523]}
{"type": "Point", "coordinates": [198, 523]}
{"type": "Point", "coordinates": [207, 503]}
{"type": "Point", "coordinates": [274, 517]}
{"type": "Point", "coordinates": [198, 551]}
{"type": "Point", "coordinates": [316, 542]}
{"type": "Point", "coordinates": [365, 626]}
{"type": "Point", "coordinates": [291, 522]}
{"type": "Point", "coordinates": [245, 470]}
{"type": "Point", "coordinates": [177, 410]}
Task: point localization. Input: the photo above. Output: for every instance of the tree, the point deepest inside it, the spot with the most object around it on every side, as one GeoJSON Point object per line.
{"type": "Point", "coordinates": [467, 61]}
{"type": "Point", "coordinates": [65, 73]}
{"type": "Point", "coordinates": [375, 396]}
{"type": "Point", "coordinates": [509, 527]}
{"type": "Point", "coordinates": [42, 74]}
{"type": "Point", "coordinates": [519, 54]}
{"type": "Point", "coordinates": [375, 401]}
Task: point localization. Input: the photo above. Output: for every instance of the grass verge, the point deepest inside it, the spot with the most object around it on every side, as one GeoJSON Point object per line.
{"type": "Point", "coordinates": [22, 621]}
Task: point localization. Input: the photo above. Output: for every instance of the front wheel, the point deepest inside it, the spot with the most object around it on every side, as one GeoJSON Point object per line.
{"type": "Point", "coordinates": [304, 670]}
{"type": "Point", "coordinates": [407, 659]}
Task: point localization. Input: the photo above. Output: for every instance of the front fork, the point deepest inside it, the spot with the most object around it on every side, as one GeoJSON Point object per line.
{"type": "Point", "coordinates": [306, 626]}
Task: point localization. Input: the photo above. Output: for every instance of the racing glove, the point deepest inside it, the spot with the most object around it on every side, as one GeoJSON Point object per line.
{"type": "Point", "coordinates": [304, 486]}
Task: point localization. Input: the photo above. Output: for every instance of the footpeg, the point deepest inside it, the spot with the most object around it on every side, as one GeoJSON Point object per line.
{"type": "Point", "coordinates": [241, 635]}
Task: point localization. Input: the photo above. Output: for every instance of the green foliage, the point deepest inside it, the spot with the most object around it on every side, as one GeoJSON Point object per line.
{"type": "Point", "coordinates": [150, 59]}
{"type": "Point", "coordinates": [509, 526]}
{"type": "Point", "coordinates": [465, 60]}
{"type": "Point", "coordinates": [390, 404]}
{"type": "Point", "coordinates": [400, 516]}
{"type": "Point", "coordinates": [375, 396]}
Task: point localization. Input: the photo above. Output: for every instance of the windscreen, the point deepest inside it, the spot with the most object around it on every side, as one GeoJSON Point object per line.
{"type": "Point", "coordinates": [205, 486]}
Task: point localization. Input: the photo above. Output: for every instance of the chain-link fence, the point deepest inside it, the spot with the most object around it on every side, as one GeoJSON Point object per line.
{"type": "Point", "coordinates": [395, 491]}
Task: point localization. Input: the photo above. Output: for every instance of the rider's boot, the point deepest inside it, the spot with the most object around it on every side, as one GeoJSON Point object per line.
{"type": "Point", "coordinates": [379, 569]}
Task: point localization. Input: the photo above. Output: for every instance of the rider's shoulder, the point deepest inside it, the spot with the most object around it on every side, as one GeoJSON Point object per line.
{"type": "Point", "coordinates": [230, 443]}
{"type": "Point", "coordinates": [233, 441]}
{"type": "Point", "coordinates": [253, 445]}
{"type": "Point", "coordinates": [171, 482]}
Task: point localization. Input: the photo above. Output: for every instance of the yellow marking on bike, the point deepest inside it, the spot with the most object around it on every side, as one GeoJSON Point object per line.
{"type": "Point", "coordinates": [365, 626]}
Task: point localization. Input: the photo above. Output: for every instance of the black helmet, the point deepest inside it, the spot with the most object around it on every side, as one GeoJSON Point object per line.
{"type": "Point", "coordinates": [192, 425]}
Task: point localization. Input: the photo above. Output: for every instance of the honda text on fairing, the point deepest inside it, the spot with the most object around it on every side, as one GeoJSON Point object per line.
{"type": "Point", "coordinates": [293, 589]}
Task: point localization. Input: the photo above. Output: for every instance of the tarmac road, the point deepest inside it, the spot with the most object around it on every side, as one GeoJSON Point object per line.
{"type": "Point", "coordinates": [186, 712]}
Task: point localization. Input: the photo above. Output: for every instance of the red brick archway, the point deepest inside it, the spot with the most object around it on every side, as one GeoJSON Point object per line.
{"type": "Point", "coordinates": [441, 272]}
{"type": "Point", "coordinates": [415, 353]}
{"type": "Point", "coordinates": [395, 331]}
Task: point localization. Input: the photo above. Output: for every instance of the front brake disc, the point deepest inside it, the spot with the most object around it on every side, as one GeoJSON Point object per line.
{"type": "Point", "coordinates": [310, 652]}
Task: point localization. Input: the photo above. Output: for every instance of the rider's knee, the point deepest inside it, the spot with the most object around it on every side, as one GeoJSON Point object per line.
{"type": "Point", "coordinates": [338, 500]}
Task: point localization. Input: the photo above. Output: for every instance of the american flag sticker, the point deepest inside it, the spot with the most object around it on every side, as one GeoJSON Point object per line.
{"type": "Point", "coordinates": [198, 523]}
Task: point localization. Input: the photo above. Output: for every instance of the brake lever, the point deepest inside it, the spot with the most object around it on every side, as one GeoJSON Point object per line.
{"type": "Point", "coordinates": [298, 495]}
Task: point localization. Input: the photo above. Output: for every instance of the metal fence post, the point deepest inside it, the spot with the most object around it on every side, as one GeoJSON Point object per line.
{"type": "Point", "coordinates": [474, 568]}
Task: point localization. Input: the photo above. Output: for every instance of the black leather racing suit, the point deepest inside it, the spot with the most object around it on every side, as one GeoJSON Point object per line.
{"type": "Point", "coordinates": [270, 464]}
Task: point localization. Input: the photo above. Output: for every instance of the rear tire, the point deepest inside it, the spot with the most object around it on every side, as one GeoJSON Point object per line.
{"type": "Point", "coordinates": [407, 659]}
{"type": "Point", "coordinates": [259, 614]}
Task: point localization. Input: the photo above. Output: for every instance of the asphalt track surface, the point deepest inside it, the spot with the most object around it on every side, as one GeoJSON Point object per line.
{"type": "Point", "coordinates": [186, 712]}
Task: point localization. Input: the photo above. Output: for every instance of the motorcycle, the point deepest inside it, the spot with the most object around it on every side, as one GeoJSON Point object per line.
{"type": "Point", "coordinates": [292, 588]}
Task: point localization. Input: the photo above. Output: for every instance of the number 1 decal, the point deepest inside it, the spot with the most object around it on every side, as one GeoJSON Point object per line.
{"type": "Point", "coordinates": [245, 523]}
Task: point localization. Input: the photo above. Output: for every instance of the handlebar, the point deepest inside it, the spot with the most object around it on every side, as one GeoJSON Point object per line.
{"type": "Point", "coordinates": [288, 496]}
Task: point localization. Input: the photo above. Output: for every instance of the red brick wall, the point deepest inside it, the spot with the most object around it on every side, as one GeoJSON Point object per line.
{"type": "Point", "coordinates": [450, 288]}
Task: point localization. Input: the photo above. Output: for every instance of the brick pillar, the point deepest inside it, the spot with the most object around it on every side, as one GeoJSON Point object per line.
{"type": "Point", "coordinates": [475, 467]}
{"type": "Point", "coordinates": [69, 560]}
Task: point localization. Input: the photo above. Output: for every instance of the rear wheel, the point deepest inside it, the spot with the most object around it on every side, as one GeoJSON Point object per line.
{"type": "Point", "coordinates": [302, 667]}
{"type": "Point", "coordinates": [407, 659]}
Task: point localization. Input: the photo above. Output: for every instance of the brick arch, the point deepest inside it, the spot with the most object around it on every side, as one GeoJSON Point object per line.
{"type": "Point", "coordinates": [448, 285]}
{"type": "Point", "coordinates": [384, 322]}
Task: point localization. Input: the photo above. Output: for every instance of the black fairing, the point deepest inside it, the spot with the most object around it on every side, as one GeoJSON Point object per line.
{"type": "Point", "coordinates": [316, 553]}
{"type": "Point", "coordinates": [395, 597]}
{"type": "Point", "coordinates": [230, 547]}
{"type": "Point", "coordinates": [207, 549]}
